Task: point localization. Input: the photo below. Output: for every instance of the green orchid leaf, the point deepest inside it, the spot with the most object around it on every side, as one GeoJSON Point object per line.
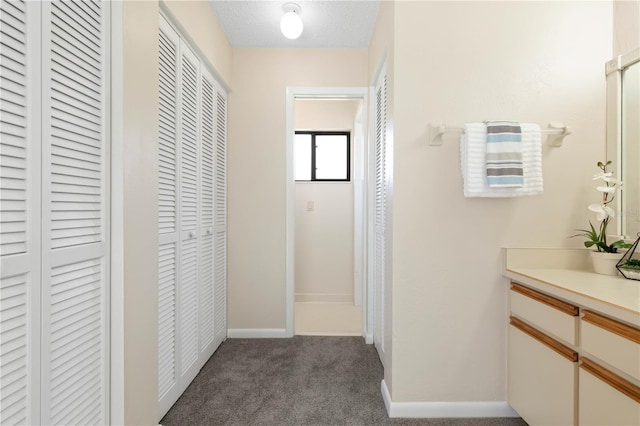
{"type": "Point", "coordinates": [621, 244]}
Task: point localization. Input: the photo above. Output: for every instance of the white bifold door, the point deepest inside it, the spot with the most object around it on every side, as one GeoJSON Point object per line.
{"type": "Point", "coordinates": [379, 198]}
{"type": "Point", "coordinates": [54, 212]}
{"type": "Point", "coordinates": [192, 217]}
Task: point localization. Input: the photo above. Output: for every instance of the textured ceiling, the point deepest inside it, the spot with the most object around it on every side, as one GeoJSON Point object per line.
{"type": "Point", "coordinates": [327, 23]}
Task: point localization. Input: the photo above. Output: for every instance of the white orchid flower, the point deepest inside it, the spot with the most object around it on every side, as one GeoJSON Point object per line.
{"type": "Point", "coordinates": [607, 189]}
{"type": "Point", "coordinates": [613, 181]}
{"type": "Point", "coordinates": [602, 175]}
{"type": "Point", "coordinates": [604, 212]}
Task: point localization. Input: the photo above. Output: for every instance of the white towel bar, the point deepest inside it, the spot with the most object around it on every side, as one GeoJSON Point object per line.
{"type": "Point", "coordinates": [556, 132]}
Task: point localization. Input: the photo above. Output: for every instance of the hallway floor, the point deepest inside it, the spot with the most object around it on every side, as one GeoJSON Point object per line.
{"type": "Point", "coordinates": [327, 319]}
{"type": "Point", "coordinates": [299, 381]}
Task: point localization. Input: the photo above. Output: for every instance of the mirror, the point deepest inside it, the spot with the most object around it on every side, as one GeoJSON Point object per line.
{"type": "Point", "coordinates": [623, 136]}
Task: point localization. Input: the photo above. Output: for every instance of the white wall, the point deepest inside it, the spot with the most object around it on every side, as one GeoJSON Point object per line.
{"type": "Point", "coordinates": [530, 61]}
{"type": "Point", "coordinates": [626, 26]}
{"type": "Point", "coordinates": [324, 237]}
{"type": "Point", "coordinates": [257, 170]}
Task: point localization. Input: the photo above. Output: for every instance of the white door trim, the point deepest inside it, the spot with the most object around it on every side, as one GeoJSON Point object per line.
{"type": "Point", "coordinates": [117, 403]}
{"type": "Point", "coordinates": [292, 94]}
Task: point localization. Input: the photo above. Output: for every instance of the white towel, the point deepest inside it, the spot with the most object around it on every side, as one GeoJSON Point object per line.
{"type": "Point", "coordinates": [473, 149]}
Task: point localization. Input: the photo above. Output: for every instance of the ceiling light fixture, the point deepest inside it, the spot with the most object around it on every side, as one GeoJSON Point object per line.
{"type": "Point", "coordinates": [291, 23]}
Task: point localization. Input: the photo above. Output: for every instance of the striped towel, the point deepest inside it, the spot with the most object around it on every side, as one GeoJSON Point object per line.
{"type": "Point", "coordinates": [473, 152]}
{"type": "Point", "coordinates": [504, 154]}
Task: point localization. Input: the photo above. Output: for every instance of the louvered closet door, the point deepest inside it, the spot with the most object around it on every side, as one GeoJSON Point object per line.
{"type": "Point", "coordinates": [220, 218]}
{"type": "Point", "coordinates": [19, 213]}
{"type": "Point", "coordinates": [192, 227]}
{"type": "Point", "coordinates": [380, 212]}
{"type": "Point", "coordinates": [75, 228]}
{"type": "Point", "coordinates": [206, 214]}
{"type": "Point", "coordinates": [168, 353]}
{"type": "Point", "coordinates": [189, 204]}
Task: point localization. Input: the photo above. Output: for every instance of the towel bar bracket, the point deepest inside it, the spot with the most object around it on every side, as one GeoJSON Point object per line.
{"type": "Point", "coordinates": [435, 133]}
{"type": "Point", "coordinates": [556, 139]}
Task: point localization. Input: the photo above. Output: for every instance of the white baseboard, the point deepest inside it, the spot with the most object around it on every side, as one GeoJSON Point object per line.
{"type": "Point", "coordinates": [368, 339]}
{"type": "Point", "coordinates": [256, 333]}
{"type": "Point", "coordinates": [324, 298]}
{"type": "Point", "coordinates": [468, 409]}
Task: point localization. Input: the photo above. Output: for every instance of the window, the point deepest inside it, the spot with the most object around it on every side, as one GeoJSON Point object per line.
{"type": "Point", "coordinates": [322, 156]}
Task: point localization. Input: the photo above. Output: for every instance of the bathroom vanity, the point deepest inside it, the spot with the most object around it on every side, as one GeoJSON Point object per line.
{"type": "Point", "coordinates": [573, 340]}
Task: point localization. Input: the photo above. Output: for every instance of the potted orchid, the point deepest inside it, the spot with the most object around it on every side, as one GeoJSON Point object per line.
{"type": "Point", "coordinates": [606, 254]}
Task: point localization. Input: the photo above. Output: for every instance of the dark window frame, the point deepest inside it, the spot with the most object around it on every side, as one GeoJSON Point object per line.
{"type": "Point", "coordinates": [313, 153]}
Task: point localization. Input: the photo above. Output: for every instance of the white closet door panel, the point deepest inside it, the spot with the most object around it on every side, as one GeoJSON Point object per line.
{"type": "Point", "coordinates": [168, 333]}
{"type": "Point", "coordinates": [189, 204]}
{"type": "Point", "coordinates": [220, 206]}
{"type": "Point", "coordinates": [380, 213]}
{"type": "Point", "coordinates": [75, 286]}
{"type": "Point", "coordinates": [207, 147]}
{"type": "Point", "coordinates": [19, 213]}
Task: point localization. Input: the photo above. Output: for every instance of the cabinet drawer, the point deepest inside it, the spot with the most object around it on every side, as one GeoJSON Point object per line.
{"type": "Point", "coordinates": [611, 341]}
{"type": "Point", "coordinates": [541, 379]}
{"type": "Point", "coordinates": [606, 399]}
{"type": "Point", "coordinates": [547, 313]}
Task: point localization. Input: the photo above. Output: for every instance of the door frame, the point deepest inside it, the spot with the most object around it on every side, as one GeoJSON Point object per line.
{"type": "Point", "coordinates": [360, 169]}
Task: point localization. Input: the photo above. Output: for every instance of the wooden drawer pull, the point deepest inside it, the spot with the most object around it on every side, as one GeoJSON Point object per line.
{"type": "Point", "coordinates": [565, 307]}
{"type": "Point", "coordinates": [566, 352]}
{"type": "Point", "coordinates": [617, 382]}
{"type": "Point", "coordinates": [613, 326]}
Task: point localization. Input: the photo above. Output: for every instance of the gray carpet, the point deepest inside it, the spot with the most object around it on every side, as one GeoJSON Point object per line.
{"type": "Point", "coordinates": [300, 381]}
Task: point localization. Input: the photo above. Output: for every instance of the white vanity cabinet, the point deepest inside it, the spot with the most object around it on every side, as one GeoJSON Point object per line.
{"type": "Point", "coordinates": [542, 366]}
{"type": "Point", "coordinates": [574, 340]}
{"type": "Point", "coordinates": [609, 393]}
{"type": "Point", "coordinates": [568, 363]}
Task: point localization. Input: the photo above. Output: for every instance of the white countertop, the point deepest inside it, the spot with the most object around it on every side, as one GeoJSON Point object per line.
{"type": "Point", "coordinates": [567, 275]}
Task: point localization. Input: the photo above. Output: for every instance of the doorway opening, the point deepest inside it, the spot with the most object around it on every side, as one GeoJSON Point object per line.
{"type": "Point", "coordinates": [326, 288]}
{"type": "Point", "coordinates": [326, 303]}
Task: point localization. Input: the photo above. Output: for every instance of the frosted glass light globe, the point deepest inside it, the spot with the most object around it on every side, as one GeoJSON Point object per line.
{"type": "Point", "coordinates": [291, 25]}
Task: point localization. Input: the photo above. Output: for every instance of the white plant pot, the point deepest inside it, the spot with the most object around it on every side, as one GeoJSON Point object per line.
{"type": "Point", "coordinates": [605, 263]}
